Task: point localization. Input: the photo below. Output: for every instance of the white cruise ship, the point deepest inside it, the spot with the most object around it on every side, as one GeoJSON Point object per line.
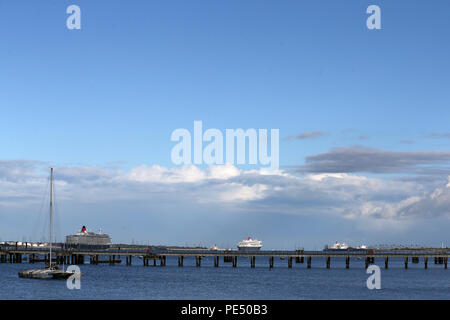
{"type": "Point", "coordinates": [85, 237]}
{"type": "Point", "coordinates": [339, 246]}
{"type": "Point", "coordinates": [249, 245]}
{"type": "Point", "coordinates": [343, 246]}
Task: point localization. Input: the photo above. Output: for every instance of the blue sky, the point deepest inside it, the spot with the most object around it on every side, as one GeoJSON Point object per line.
{"type": "Point", "coordinates": [109, 96]}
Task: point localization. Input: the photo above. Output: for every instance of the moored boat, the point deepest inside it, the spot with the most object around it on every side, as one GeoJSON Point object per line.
{"type": "Point", "coordinates": [50, 271]}
{"type": "Point", "coordinates": [45, 274]}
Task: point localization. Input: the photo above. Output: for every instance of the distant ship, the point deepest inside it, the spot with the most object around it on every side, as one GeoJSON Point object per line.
{"type": "Point", "coordinates": [249, 245]}
{"type": "Point", "coordinates": [344, 246]}
{"type": "Point", "coordinates": [214, 248]}
{"type": "Point", "coordinates": [340, 246]}
{"type": "Point", "coordinates": [337, 246]}
{"type": "Point", "coordinates": [85, 237]}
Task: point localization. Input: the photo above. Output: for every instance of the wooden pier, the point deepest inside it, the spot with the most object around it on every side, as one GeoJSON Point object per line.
{"type": "Point", "coordinates": [114, 255]}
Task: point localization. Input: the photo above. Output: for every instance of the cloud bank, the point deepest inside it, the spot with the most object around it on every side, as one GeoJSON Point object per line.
{"type": "Point", "coordinates": [344, 195]}
{"type": "Point", "coordinates": [370, 160]}
{"type": "Point", "coordinates": [307, 135]}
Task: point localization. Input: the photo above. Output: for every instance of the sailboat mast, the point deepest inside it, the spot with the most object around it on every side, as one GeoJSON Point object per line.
{"type": "Point", "coordinates": [51, 213]}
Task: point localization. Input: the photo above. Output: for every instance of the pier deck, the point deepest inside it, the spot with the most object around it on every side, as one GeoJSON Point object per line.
{"type": "Point", "coordinates": [17, 254]}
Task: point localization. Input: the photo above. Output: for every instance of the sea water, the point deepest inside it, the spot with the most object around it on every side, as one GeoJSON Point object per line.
{"type": "Point", "coordinates": [119, 281]}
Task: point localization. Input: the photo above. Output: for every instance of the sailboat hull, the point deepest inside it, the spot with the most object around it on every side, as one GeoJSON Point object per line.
{"type": "Point", "coordinates": [45, 274]}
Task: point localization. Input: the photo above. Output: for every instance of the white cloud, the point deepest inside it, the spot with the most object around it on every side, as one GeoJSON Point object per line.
{"type": "Point", "coordinates": [161, 174]}
{"type": "Point", "coordinates": [232, 192]}
{"type": "Point", "coordinates": [321, 176]}
{"type": "Point", "coordinates": [226, 171]}
{"type": "Point", "coordinates": [184, 174]}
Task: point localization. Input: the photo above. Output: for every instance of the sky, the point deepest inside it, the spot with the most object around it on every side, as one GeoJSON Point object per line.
{"type": "Point", "coordinates": [362, 114]}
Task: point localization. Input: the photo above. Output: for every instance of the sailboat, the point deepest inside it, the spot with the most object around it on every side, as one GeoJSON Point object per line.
{"type": "Point", "coordinates": [50, 271]}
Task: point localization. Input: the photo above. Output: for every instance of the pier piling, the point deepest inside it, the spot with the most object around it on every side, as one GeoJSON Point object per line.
{"type": "Point", "coordinates": [198, 261]}
{"type": "Point", "coordinates": [386, 262]}
{"type": "Point", "coordinates": [328, 262]}
{"type": "Point", "coordinates": [438, 260]}
{"type": "Point", "coordinates": [216, 261]}
{"type": "Point", "coordinates": [347, 262]}
{"type": "Point", "coordinates": [406, 262]}
{"type": "Point", "coordinates": [76, 258]}
{"type": "Point", "coordinates": [271, 262]}
{"type": "Point", "coordinates": [425, 262]}
{"type": "Point", "coordinates": [290, 262]}
{"type": "Point", "coordinates": [308, 262]}
{"type": "Point", "coordinates": [234, 261]}
{"type": "Point", "coordinates": [252, 261]}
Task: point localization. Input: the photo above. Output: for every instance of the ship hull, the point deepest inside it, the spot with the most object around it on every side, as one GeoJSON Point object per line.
{"type": "Point", "coordinates": [249, 249]}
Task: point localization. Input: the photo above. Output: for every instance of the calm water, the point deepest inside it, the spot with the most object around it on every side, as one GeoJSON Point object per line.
{"type": "Point", "coordinates": [225, 282]}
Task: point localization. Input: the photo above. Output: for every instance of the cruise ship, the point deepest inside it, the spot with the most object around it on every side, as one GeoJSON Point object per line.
{"type": "Point", "coordinates": [337, 246]}
{"type": "Point", "coordinates": [88, 238]}
{"type": "Point", "coordinates": [249, 245]}
{"type": "Point", "coordinates": [340, 246]}
{"type": "Point", "coordinates": [343, 246]}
